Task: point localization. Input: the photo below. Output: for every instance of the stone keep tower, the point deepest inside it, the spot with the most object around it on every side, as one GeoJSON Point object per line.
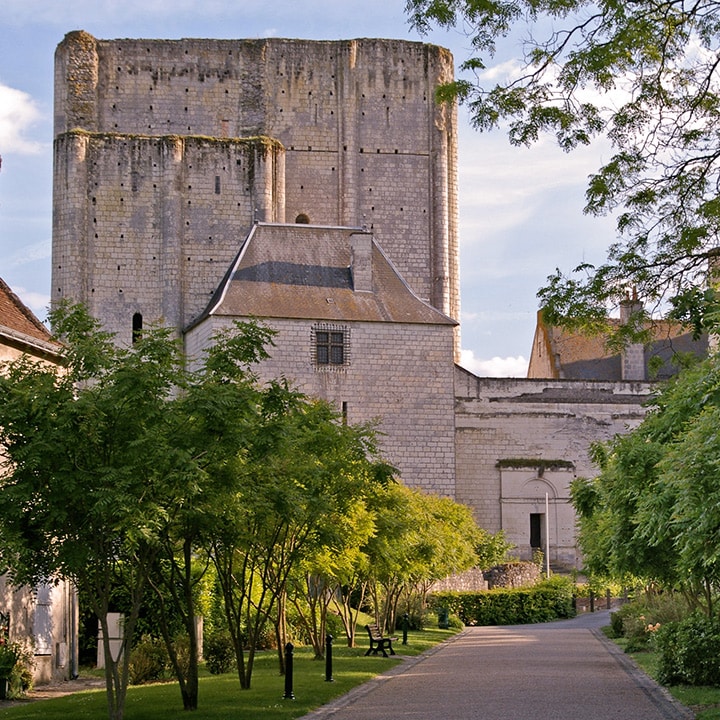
{"type": "Point", "coordinates": [168, 151]}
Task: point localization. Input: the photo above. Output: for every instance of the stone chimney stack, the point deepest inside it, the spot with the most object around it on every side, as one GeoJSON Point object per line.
{"type": "Point", "coordinates": [632, 358]}
{"type": "Point", "coordinates": [361, 261]}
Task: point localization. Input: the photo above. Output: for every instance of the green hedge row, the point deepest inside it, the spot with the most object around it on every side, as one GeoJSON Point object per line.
{"type": "Point", "coordinates": [549, 600]}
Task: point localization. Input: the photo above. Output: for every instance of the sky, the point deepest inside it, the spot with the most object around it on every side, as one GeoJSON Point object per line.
{"type": "Point", "coordinates": [521, 209]}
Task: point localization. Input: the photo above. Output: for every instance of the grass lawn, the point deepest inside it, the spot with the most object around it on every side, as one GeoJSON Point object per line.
{"type": "Point", "coordinates": [704, 701]}
{"type": "Point", "coordinates": [220, 696]}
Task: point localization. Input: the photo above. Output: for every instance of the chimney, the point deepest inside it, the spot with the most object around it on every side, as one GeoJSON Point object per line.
{"type": "Point", "coordinates": [632, 358]}
{"type": "Point", "coordinates": [361, 261]}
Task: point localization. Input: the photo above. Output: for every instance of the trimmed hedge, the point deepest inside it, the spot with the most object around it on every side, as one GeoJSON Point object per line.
{"type": "Point", "coordinates": [549, 600]}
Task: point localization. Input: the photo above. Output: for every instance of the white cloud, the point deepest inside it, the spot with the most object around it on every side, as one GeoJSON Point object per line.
{"type": "Point", "coordinates": [502, 72]}
{"type": "Point", "coordinates": [18, 112]}
{"type": "Point", "coordinates": [29, 254]}
{"type": "Point", "coordinates": [496, 367]}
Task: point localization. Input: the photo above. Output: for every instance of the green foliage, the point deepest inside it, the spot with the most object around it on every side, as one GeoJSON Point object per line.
{"type": "Point", "coordinates": [16, 666]}
{"type": "Point", "coordinates": [689, 651]}
{"type": "Point", "coordinates": [548, 600]}
{"type": "Point", "coordinates": [653, 511]}
{"type": "Point", "coordinates": [639, 621]}
{"type": "Point", "coordinates": [219, 653]}
{"type": "Point", "coordinates": [419, 538]}
{"type": "Point", "coordinates": [149, 661]}
{"type": "Point", "coordinates": [659, 62]}
{"type": "Point", "coordinates": [131, 471]}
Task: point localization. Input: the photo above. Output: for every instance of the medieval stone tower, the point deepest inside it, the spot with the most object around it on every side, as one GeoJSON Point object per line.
{"type": "Point", "coordinates": [168, 151]}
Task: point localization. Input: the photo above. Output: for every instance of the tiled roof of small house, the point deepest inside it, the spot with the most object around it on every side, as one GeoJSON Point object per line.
{"type": "Point", "coordinates": [20, 328]}
{"type": "Point", "coordinates": [304, 272]}
{"type": "Point", "coordinates": [561, 354]}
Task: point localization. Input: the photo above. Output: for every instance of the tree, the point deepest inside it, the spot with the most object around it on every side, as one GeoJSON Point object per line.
{"type": "Point", "coordinates": [87, 470]}
{"type": "Point", "coordinates": [113, 470]}
{"type": "Point", "coordinates": [419, 538]}
{"type": "Point", "coordinates": [334, 575]}
{"type": "Point", "coordinates": [654, 510]}
{"type": "Point", "coordinates": [645, 74]}
{"type": "Point", "coordinates": [301, 475]}
{"type": "Point", "coordinates": [212, 422]}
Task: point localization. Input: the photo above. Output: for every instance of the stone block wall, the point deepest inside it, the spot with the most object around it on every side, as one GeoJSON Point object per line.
{"type": "Point", "coordinates": [512, 575]}
{"type": "Point", "coordinates": [366, 144]}
{"type": "Point", "coordinates": [393, 376]}
{"type": "Point", "coordinates": [520, 440]}
{"type": "Point", "coordinates": [150, 225]}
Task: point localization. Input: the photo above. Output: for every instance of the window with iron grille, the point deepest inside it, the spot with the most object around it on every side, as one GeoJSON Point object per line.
{"type": "Point", "coordinates": [331, 346]}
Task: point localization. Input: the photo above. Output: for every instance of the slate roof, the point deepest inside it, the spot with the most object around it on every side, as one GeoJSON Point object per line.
{"type": "Point", "coordinates": [303, 271]}
{"type": "Point", "coordinates": [20, 328]}
{"type": "Point", "coordinates": [575, 356]}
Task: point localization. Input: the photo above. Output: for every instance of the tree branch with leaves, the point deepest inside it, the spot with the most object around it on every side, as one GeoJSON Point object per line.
{"type": "Point", "coordinates": [644, 75]}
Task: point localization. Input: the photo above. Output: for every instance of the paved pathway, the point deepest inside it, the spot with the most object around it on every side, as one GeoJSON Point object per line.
{"type": "Point", "coordinates": [565, 670]}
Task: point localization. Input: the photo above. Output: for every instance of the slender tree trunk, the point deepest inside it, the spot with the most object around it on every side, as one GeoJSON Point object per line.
{"type": "Point", "coordinates": [180, 585]}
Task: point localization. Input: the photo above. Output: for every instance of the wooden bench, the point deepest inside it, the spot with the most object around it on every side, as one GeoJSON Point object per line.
{"type": "Point", "coordinates": [379, 643]}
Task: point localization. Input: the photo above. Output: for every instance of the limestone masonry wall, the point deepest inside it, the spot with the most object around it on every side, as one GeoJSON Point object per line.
{"type": "Point", "coordinates": [365, 143]}
{"type": "Point", "coordinates": [393, 377]}
{"type": "Point", "coordinates": [150, 225]}
{"type": "Point", "coordinates": [517, 440]}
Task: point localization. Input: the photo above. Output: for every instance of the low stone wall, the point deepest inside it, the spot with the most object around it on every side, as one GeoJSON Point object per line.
{"type": "Point", "coordinates": [512, 575]}
{"type": "Point", "coordinates": [469, 581]}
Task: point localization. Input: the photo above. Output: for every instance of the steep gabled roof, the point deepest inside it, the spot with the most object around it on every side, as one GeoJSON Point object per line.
{"type": "Point", "coordinates": [561, 354]}
{"type": "Point", "coordinates": [304, 271]}
{"type": "Point", "coordinates": [20, 328]}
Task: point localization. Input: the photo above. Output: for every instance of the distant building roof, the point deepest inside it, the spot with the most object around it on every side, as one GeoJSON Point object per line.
{"type": "Point", "coordinates": [560, 354]}
{"type": "Point", "coordinates": [314, 272]}
{"type": "Point", "coordinates": [20, 328]}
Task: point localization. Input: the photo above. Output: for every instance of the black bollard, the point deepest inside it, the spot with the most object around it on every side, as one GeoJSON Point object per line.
{"type": "Point", "coordinates": [406, 622]}
{"type": "Point", "coordinates": [592, 601]}
{"type": "Point", "coordinates": [289, 672]}
{"type": "Point", "coordinates": [328, 658]}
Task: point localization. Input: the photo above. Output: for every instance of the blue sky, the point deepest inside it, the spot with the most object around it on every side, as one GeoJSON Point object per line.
{"type": "Point", "coordinates": [520, 209]}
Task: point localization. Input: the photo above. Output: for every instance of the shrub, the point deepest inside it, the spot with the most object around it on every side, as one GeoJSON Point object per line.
{"type": "Point", "coordinates": [20, 675]}
{"type": "Point", "coordinates": [689, 651]}
{"type": "Point", "coordinates": [616, 622]}
{"type": "Point", "coordinates": [637, 620]}
{"type": "Point", "coordinates": [636, 630]}
{"type": "Point", "coordinates": [148, 661]}
{"type": "Point", "coordinates": [219, 652]}
{"type": "Point", "coordinates": [455, 623]}
{"type": "Point", "coordinates": [334, 626]}
{"type": "Point", "coordinates": [548, 600]}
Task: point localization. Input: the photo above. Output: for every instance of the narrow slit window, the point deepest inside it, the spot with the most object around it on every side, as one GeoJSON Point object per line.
{"type": "Point", "coordinates": [137, 324]}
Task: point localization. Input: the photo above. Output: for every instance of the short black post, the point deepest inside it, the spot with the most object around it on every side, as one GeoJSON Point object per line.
{"type": "Point", "coordinates": [328, 658]}
{"type": "Point", "coordinates": [289, 672]}
{"type": "Point", "coordinates": [406, 622]}
{"type": "Point", "coordinates": [592, 601]}
{"type": "Point", "coordinates": [608, 598]}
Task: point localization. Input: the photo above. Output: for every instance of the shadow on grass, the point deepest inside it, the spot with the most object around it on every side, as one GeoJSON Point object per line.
{"type": "Point", "coordinates": [220, 696]}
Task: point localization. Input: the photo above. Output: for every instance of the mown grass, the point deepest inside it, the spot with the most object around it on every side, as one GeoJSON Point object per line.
{"type": "Point", "coordinates": [220, 697]}
{"type": "Point", "coordinates": [704, 701]}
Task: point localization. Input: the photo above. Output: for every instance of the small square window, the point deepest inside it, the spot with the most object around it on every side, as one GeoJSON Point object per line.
{"type": "Point", "coordinates": [330, 346]}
